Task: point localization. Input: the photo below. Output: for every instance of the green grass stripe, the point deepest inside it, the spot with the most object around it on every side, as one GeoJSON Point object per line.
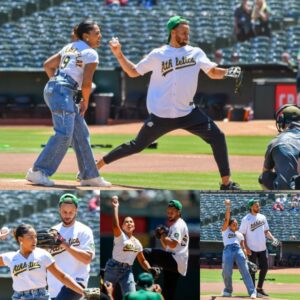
{"type": "Point", "coordinates": [16, 140]}
{"type": "Point", "coordinates": [177, 181]}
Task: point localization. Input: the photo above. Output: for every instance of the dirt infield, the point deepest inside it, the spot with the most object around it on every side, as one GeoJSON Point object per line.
{"type": "Point", "coordinates": [19, 163]}
{"type": "Point", "coordinates": [212, 287]}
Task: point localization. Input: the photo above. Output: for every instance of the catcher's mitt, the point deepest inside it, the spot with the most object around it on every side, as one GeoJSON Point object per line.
{"type": "Point", "coordinates": [275, 243]}
{"type": "Point", "coordinates": [49, 239]}
{"type": "Point", "coordinates": [237, 74]}
{"type": "Point", "coordinates": [155, 271]}
{"type": "Point", "coordinates": [161, 230]}
{"type": "Point", "coordinates": [252, 266]}
{"type": "Point", "coordinates": [91, 294]}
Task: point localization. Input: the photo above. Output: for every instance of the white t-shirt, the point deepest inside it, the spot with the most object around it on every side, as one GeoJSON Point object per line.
{"type": "Point", "coordinates": [230, 237]}
{"type": "Point", "coordinates": [174, 79]}
{"type": "Point", "coordinates": [79, 236]}
{"type": "Point", "coordinates": [179, 232]}
{"type": "Point", "coordinates": [254, 227]}
{"type": "Point", "coordinates": [28, 273]}
{"type": "Point", "coordinates": [74, 57]}
{"type": "Point", "coordinates": [126, 249]}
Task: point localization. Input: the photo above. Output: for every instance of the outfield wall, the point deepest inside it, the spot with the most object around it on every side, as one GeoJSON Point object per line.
{"type": "Point", "coordinates": [130, 93]}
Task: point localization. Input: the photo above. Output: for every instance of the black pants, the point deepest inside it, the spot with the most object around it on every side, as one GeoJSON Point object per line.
{"type": "Point", "coordinates": [262, 258]}
{"type": "Point", "coordinates": [197, 122]}
{"type": "Point", "coordinates": [166, 261]}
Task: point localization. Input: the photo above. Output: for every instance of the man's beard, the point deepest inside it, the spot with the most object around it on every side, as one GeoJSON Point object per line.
{"type": "Point", "coordinates": [181, 43]}
{"type": "Point", "coordinates": [69, 222]}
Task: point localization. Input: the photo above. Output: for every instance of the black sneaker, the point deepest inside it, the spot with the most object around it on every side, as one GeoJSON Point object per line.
{"type": "Point", "coordinates": [231, 186]}
{"type": "Point", "coordinates": [261, 293]}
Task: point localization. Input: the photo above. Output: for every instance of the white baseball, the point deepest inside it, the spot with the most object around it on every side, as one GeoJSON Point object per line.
{"type": "Point", "coordinates": [4, 232]}
{"type": "Point", "coordinates": [114, 41]}
{"type": "Point", "coordinates": [115, 199]}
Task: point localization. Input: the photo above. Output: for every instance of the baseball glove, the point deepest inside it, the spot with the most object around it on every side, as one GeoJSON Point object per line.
{"type": "Point", "coordinates": [252, 266]}
{"type": "Point", "coordinates": [161, 230]}
{"type": "Point", "coordinates": [91, 294]}
{"type": "Point", "coordinates": [237, 74]}
{"type": "Point", "coordinates": [275, 243]}
{"type": "Point", "coordinates": [49, 239]}
{"type": "Point", "coordinates": [155, 271]}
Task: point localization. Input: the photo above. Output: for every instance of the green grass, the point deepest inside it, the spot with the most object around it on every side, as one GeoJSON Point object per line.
{"type": "Point", "coordinates": [178, 181]}
{"type": "Point", "coordinates": [290, 296]}
{"type": "Point", "coordinates": [216, 276]}
{"type": "Point", "coordinates": [16, 140]}
{"type": "Point", "coordinates": [208, 275]}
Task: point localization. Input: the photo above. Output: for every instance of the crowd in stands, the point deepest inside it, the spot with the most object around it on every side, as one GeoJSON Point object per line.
{"type": "Point", "coordinates": [250, 22]}
{"type": "Point", "coordinates": [290, 203]}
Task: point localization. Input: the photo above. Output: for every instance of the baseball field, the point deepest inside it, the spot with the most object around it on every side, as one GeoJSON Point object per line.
{"type": "Point", "coordinates": [279, 284]}
{"type": "Point", "coordinates": [180, 161]}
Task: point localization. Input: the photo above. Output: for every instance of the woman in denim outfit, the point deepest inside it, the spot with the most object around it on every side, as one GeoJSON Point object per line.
{"type": "Point", "coordinates": [126, 248]}
{"type": "Point", "coordinates": [70, 70]}
{"type": "Point", "coordinates": [234, 251]}
{"type": "Point", "coordinates": [29, 265]}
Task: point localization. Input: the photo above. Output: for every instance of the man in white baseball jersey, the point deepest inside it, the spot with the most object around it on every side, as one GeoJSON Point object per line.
{"type": "Point", "coordinates": [173, 259]}
{"type": "Point", "coordinates": [255, 228]}
{"type": "Point", "coordinates": [75, 254]}
{"type": "Point", "coordinates": [175, 68]}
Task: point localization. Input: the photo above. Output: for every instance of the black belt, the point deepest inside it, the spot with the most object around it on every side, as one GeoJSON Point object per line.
{"type": "Point", "coordinates": [120, 263]}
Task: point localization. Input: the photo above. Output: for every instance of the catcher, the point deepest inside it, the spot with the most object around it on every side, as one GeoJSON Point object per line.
{"type": "Point", "coordinates": [29, 265]}
{"type": "Point", "coordinates": [173, 259]}
{"type": "Point", "coordinates": [175, 68]}
{"type": "Point", "coordinates": [255, 228]}
{"type": "Point", "coordinates": [118, 269]}
{"type": "Point", "coordinates": [234, 251]}
{"type": "Point", "coordinates": [72, 246]}
{"type": "Point", "coordinates": [281, 158]}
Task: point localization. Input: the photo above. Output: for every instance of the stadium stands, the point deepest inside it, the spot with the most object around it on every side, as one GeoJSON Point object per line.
{"type": "Point", "coordinates": [40, 210]}
{"type": "Point", "coordinates": [212, 215]}
{"type": "Point", "coordinates": [34, 29]}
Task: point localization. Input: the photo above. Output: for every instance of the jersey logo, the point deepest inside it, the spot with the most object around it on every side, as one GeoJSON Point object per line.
{"type": "Point", "coordinates": [231, 235]}
{"type": "Point", "coordinates": [184, 241]}
{"type": "Point", "coordinates": [183, 62]}
{"type": "Point", "coordinates": [166, 67]}
{"type": "Point", "coordinates": [20, 268]}
{"type": "Point", "coordinates": [256, 225]}
{"type": "Point", "coordinates": [57, 250]}
{"type": "Point", "coordinates": [130, 248]}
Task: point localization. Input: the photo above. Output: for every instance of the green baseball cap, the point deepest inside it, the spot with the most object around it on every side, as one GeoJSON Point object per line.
{"type": "Point", "coordinates": [251, 202]}
{"type": "Point", "coordinates": [173, 22]}
{"type": "Point", "coordinates": [145, 280]}
{"type": "Point", "coordinates": [176, 204]}
{"type": "Point", "coordinates": [68, 198]}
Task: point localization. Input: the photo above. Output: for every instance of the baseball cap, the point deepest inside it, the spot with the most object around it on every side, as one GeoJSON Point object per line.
{"type": "Point", "coordinates": [145, 280]}
{"type": "Point", "coordinates": [251, 202]}
{"type": "Point", "coordinates": [68, 198]}
{"type": "Point", "coordinates": [176, 204]}
{"type": "Point", "coordinates": [173, 22]}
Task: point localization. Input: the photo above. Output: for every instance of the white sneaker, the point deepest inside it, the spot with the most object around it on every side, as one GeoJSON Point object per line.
{"type": "Point", "coordinates": [226, 294]}
{"type": "Point", "coordinates": [38, 177]}
{"type": "Point", "coordinates": [253, 296]}
{"type": "Point", "coordinates": [98, 181]}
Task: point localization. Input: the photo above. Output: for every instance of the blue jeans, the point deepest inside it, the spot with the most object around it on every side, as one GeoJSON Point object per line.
{"type": "Point", "coordinates": [70, 129]}
{"type": "Point", "coordinates": [37, 294]}
{"type": "Point", "coordinates": [66, 293]}
{"type": "Point", "coordinates": [116, 272]}
{"type": "Point", "coordinates": [233, 253]}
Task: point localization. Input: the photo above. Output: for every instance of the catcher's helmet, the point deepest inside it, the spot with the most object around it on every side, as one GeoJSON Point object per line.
{"type": "Point", "coordinates": [286, 114]}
